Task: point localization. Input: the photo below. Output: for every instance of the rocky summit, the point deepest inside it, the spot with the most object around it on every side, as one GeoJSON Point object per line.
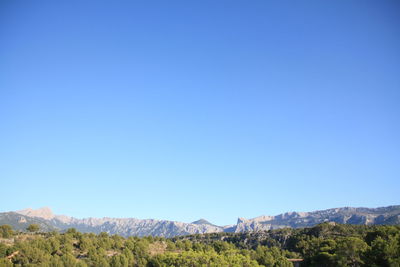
{"type": "Point", "coordinates": [138, 227]}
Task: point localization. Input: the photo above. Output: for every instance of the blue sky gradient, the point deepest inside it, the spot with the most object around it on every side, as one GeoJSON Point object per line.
{"type": "Point", "coordinates": [186, 109]}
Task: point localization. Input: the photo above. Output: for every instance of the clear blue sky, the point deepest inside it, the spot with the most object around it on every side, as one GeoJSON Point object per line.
{"type": "Point", "coordinates": [186, 109]}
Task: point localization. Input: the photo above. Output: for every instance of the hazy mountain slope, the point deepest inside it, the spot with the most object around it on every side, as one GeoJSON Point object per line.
{"type": "Point", "coordinates": [136, 227]}
{"type": "Point", "coordinates": [21, 222]}
{"type": "Point", "coordinates": [361, 216]}
{"type": "Point", "coordinates": [44, 213]}
{"type": "Point", "coordinates": [123, 226]}
{"type": "Point", "coordinates": [203, 221]}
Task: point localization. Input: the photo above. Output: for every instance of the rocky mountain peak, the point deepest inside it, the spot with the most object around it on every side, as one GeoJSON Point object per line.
{"type": "Point", "coordinates": [202, 221]}
{"type": "Point", "coordinates": [45, 213]}
{"type": "Point", "coordinates": [241, 220]}
{"type": "Point", "coordinates": [137, 227]}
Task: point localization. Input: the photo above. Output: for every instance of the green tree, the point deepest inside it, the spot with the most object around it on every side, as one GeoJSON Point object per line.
{"type": "Point", "coordinates": [119, 261]}
{"type": "Point", "coordinates": [33, 228]}
{"type": "Point", "coordinates": [385, 252]}
{"type": "Point", "coordinates": [6, 231]}
{"type": "Point", "coordinates": [350, 251]}
{"type": "Point", "coordinates": [55, 261]}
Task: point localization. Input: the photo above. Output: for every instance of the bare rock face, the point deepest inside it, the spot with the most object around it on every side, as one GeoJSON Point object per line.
{"type": "Point", "coordinates": [138, 227]}
{"type": "Point", "coordinates": [44, 213]}
{"type": "Point", "coordinates": [347, 215]}
{"type": "Point", "coordinates": [123, 226]}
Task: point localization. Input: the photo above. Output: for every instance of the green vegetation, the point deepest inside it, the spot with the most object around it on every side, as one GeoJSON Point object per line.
{"type": "Point", "coordinates": [323, 245]}
{"type": "Point", "coordinates": [33, 228]}
{"type": "Point", "coordinates": [326, 244]}
{"type": "Point", "coordinates": [6, 231]}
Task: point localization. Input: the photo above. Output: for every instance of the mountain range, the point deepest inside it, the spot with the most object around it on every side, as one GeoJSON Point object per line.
{"type": "Point", "coordinates": [139, 227]}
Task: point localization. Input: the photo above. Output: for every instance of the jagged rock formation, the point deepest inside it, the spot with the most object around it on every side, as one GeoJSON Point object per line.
{"type": "Point", "coordinates": [363, 216]}
{"type": "Point", "coordinates": [122, 226]}
{"type": "Point", "coordinates": [136, 227]}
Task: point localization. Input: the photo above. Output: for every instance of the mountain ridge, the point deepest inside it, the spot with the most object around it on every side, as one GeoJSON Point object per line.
{"type": "Point", "coordinates": [144, 227]}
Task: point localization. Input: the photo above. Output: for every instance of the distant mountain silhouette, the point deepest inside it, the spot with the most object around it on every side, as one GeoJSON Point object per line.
{"type": "Point", "coordinates": [137, 227]}
{"type": "Point", "coordinates": [203, 221]}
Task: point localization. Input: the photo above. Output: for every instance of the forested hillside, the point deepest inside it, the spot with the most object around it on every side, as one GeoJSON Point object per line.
{"type": "Point", "coordinates": [323, 245]}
